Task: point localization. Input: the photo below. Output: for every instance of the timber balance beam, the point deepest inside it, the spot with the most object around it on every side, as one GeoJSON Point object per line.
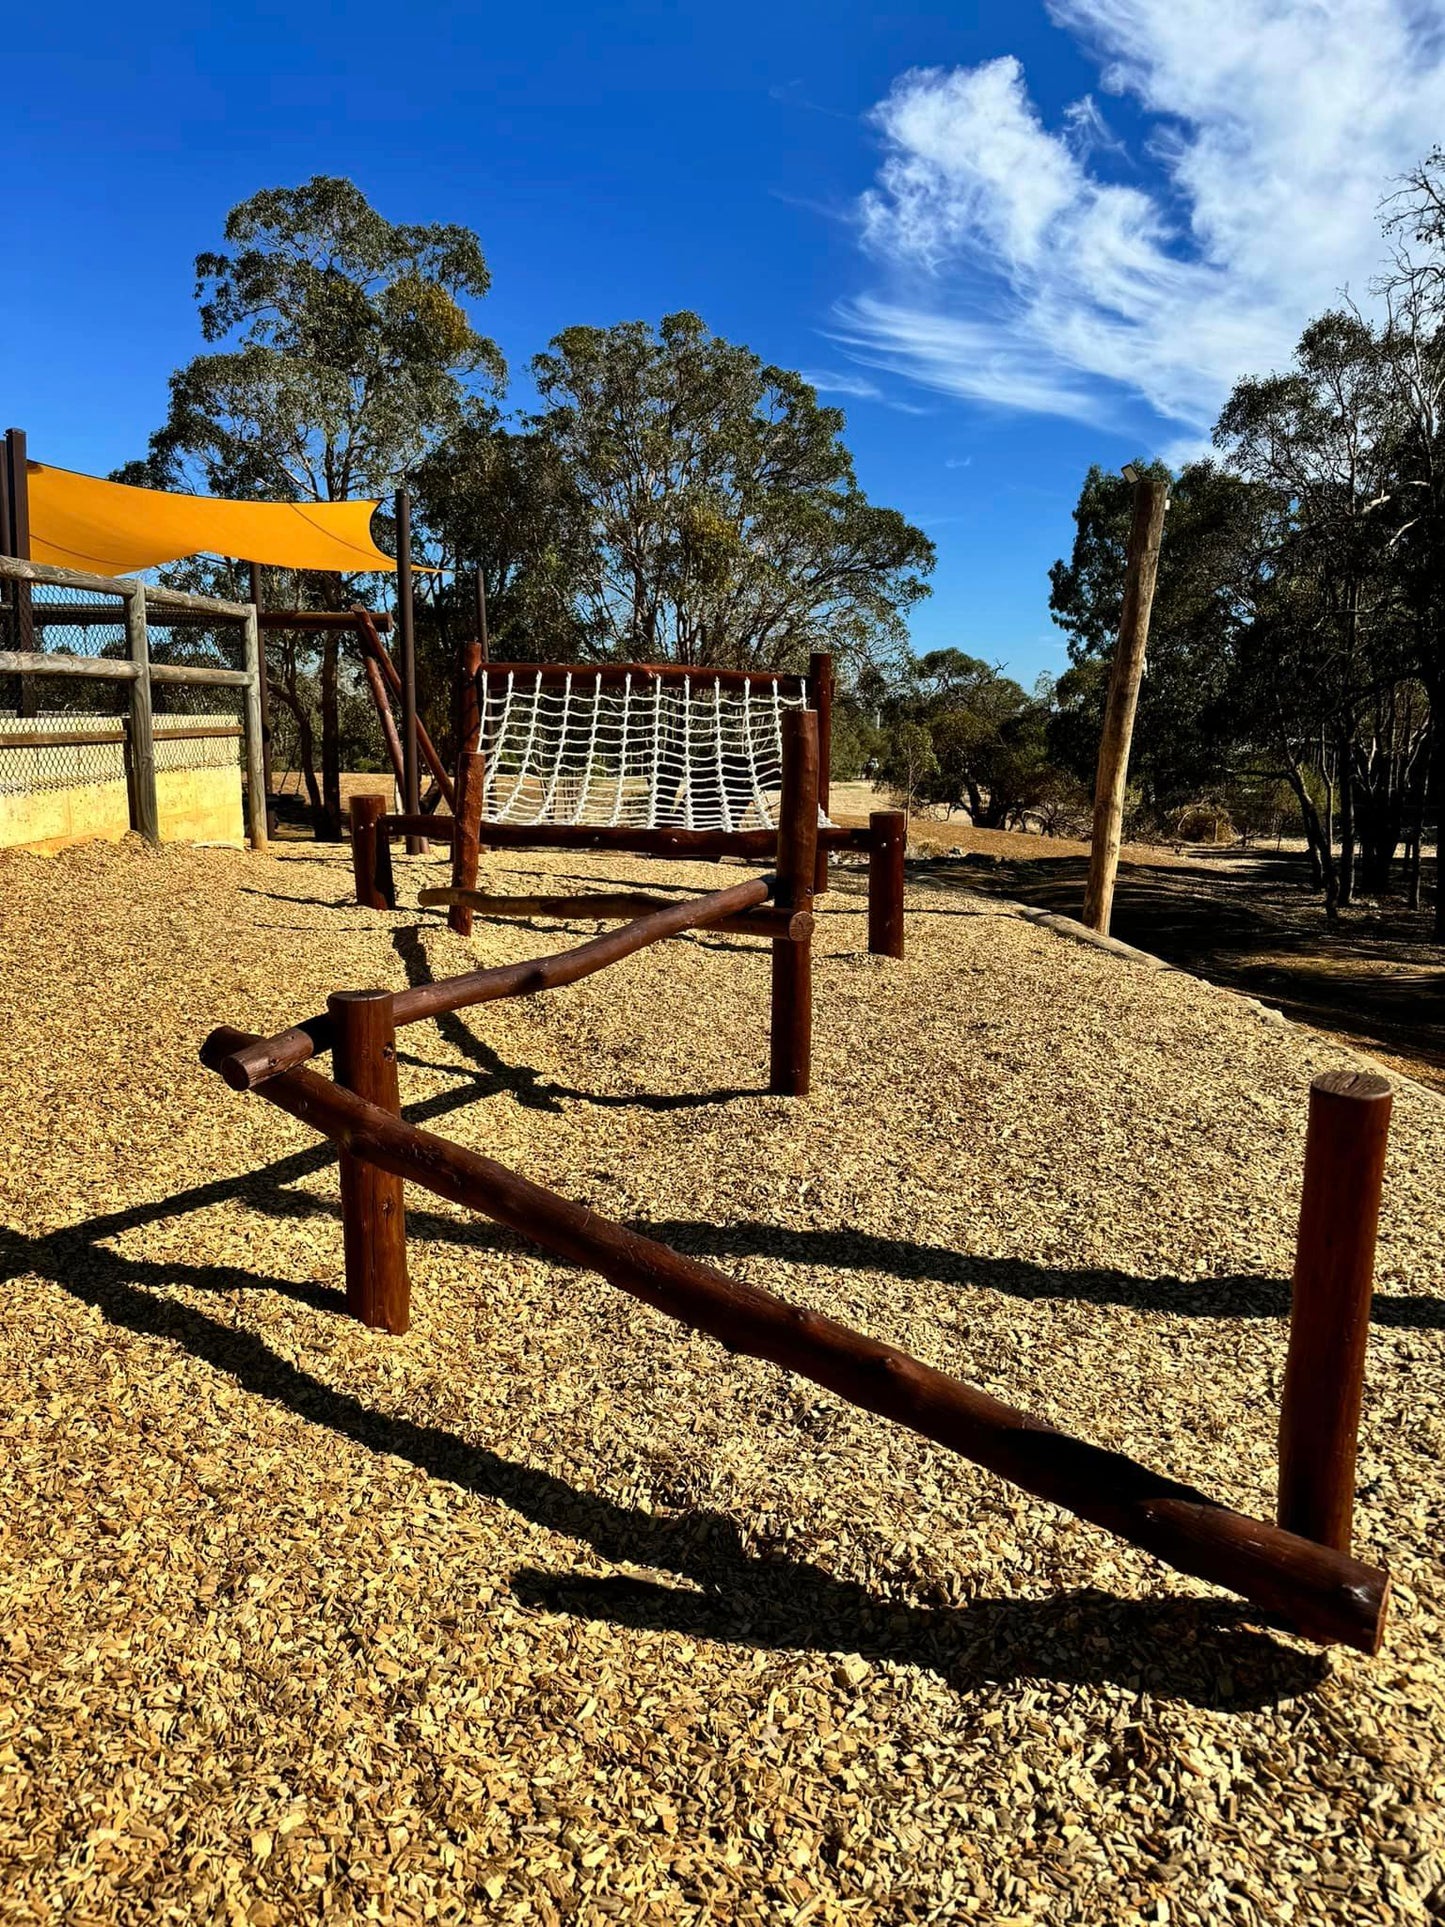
{"type": "Point", "coordinates": [1319, 1591]}
{"type": "Point", "coordinates": [252, 1063]}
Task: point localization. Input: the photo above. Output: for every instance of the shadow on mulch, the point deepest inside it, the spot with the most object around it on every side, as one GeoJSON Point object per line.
{"type": "Point", "coordinates": [1204, 1652]}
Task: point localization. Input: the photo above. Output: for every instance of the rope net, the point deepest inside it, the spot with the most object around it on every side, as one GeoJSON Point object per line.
{"type": "Point", "coordinates": [640, 752]}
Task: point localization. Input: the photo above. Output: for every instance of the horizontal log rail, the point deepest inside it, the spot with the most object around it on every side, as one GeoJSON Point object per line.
{"type": "Point", "coordinates": [266, 1057]}
{"type": "Point", "coordinates": [1324, 1594]}
{"type": "Point", "coordinates": [644, 672]}
{"type": "Point", "coordinates": [609, 906]}
{"type": "Point", "coordinates": [95, 739]}
{"type": "Point", "coordinates": [619, 836]}
{"type": "Point", "coordinates": [14, 569]}
{"type": "Point", "coordinates": [206, 678]}
{"type": "Point", "coordinates": [86, 615]}
{"type": "Point", "coordinates": [40, 662]}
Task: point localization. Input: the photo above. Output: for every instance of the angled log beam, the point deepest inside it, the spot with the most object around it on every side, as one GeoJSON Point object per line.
{"type": "Point", "coordinates": [1323, 1594]}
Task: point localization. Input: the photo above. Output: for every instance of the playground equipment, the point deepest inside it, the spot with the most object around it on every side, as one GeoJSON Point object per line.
{"type": "Point", "coordinates": [646, 757]}
{"type": "Point", "coordinates": [1300, 1570]}
{"type": "Point", "coordinates": [1313, 1583]}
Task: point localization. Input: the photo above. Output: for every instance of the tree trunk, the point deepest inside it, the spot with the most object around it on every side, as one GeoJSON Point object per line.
{"type": "Point", "coordinates": [1345, 763]}
{"type": "Point", "coordinates": [305, 738]}
{"type": "Point", "coordinates": [328, 826]}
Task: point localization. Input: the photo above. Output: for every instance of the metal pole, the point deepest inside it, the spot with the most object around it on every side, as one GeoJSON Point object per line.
{"type": "Point", "coordinates": [406, 626]}
{"type": "Point", "coordinates": [144, 812]}
{"type": "Point", "coordinates": [482, 615]}
{"type": "Point", "coordinates": [255, 735]}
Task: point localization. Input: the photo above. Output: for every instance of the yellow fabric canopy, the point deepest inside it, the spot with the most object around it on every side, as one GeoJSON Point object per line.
{"type": "Point", "coordinates": [109, 528]}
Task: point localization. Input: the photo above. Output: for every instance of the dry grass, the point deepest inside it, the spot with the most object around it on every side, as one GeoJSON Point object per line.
{"type": "Point", "coordinates": [550, 1612]}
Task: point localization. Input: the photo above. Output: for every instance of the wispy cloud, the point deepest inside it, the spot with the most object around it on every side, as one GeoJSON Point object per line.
{"type": "Point", "coordinates": [1013, 271]}
{"type": "Point", "coordinates": [829, 381]}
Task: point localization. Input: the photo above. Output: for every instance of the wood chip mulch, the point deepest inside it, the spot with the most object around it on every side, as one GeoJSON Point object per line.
{"type": "Point", "coordinates": [552, 1612]}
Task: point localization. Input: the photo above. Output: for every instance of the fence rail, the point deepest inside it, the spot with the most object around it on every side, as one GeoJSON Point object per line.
{"type": "Point", "coordinates": [130, 610]}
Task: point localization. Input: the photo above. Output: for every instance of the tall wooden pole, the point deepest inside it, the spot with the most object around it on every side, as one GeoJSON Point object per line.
{"type": "Point", "coordinates": [1151, 498]}
{"type": "Point", "coordinates": [792, 1008]}
{"type": "Point", "coordinates": [15, 537]}
{"type": "Point", "coordinates": [482, 637]}
{"type": "Point", "coordinates": [140, 738]}
{"type": "Point", "coordinates": [257, 822]}
{"type": "Point", "coordinates": [1329, 1323]}
{"type": "Point", "coordinates": [406, 630]}
{"type": "Point", "coordinates": [820, 698]}
{"type": "Point", "coordinates": [264, 693]}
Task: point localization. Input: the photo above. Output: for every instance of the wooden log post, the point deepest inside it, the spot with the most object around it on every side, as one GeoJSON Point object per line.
{"type": "Point", "coordinates": [1126, 672]}
{"type": "Point", "coordinates": [264, 694]}
{"type": "Point", "coordinates": [468, 718]}
{"type": "Point", "coordinates": [371, 854]}
{"type": "Point", "coordinates": [1330, 1311]}
{"type": "Point", "coordinates": [471, 785]}
{"type": "Point", "coordinates": [254, 733]}
{"type": "Point", "coordinates": [887, 846]}
{"type": "Point", "coordinates": [373, 1208]}
{"type": "Point", "coordinates": [140, 739]}
{"type": "Point", "coordinates": [792, 998]}
{"type": "Point", "coordinates": [406, 639]}
{"type": "Point", "coordinates": [820, 698]}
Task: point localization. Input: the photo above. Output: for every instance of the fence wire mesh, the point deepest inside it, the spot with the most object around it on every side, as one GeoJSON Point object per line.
{"type": "Point", "coordinates": [66, 733]}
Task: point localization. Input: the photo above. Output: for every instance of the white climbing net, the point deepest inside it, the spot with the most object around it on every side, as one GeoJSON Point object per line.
{"type": "Point", "coordinates": [642, 751]}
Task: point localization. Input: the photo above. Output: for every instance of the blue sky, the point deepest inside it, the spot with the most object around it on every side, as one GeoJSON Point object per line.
{"type": "Point", "coordinates": [1009, 240]}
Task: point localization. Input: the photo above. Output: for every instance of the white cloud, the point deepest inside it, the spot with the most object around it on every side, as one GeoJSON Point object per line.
{"type": "Point", "coordinates": [828, 381]}
{"type": "Point", "coordinates": [1015, 272]}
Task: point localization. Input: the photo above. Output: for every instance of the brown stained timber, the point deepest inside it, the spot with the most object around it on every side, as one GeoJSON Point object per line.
{"type": "Point", "coordinates": [888, 834]}
{"type": "Point", "coordinates": [820, 698]}
{"type": "Point", "coordinates": [470, 795]}
{"type": "Point", "coordinates": [382, 704]}
{"type": "Point", "coordinates": [373, 1210]}
{"type": "Point", "coordinates": [1349, 1127]}
{"type": "Point", "coordinates": [791, 1042]}
{"type": "Point", "coordinates": [606, 906]}
{"type": "Point", "coordinates": [265, 1057]}
{"type": "Point", "coordinates": [371, 855]}
{"type": "Point", "coordinates": [621, 836]}
{"type": "Point", "coordinates": [642, 671]}
{"type": "Point", "coordinates": [371, 645]}
{"type": "Point", "coordinates": [1321, 1593]}
{"type": "Point", "coordinates": [468, 718]}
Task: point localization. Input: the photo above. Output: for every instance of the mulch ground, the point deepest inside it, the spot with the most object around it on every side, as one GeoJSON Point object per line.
{"type": "Point", "coordinates": [551, 1612]}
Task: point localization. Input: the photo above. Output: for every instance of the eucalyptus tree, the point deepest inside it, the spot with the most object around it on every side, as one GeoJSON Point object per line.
{"type": "Point", "coordinates": [1321, 436]}
{"type": "Point", "coordinates": [725, 523]}
{"type": "Point", "coordinates": [342, 352]}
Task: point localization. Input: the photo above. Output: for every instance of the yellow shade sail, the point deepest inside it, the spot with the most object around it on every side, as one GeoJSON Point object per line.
{"type": "Point", "coordinates": [109, 528]}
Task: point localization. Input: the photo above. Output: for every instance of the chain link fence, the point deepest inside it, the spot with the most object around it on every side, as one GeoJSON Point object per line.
{"type": "Point", "coordinates": [163, 748]}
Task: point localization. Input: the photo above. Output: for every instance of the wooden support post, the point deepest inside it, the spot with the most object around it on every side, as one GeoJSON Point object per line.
{"type": "Point", "coordinates": [792, 1000]}
{"type": "Point", "coordinates": [1330, 1314]}
{"type": "Point", "coordinates": [887, 846]}
{"type": "Point", "coordinates": [406, 637]}
{"type": "Point", "coordinates": [264, 693]}
{"type": "Point", "coordinates": [469, 709]}
{"type": "Point", "coordinates": [820, 698]}
{"type": "Point", "coordinates": [141, 753]}
{"type": "Point", "coordinates": [255, 734]}
{"type": "Point", "coordinates": [373, 1208]}
{"type": "Point", "coordinates": [483, 638]}
{"type": "Point", "coordinates": [1126, 672]}
{"type": "Point", "coordinates": [371, 854]}
{"type": "Point", "coordinates": [471, 783]}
